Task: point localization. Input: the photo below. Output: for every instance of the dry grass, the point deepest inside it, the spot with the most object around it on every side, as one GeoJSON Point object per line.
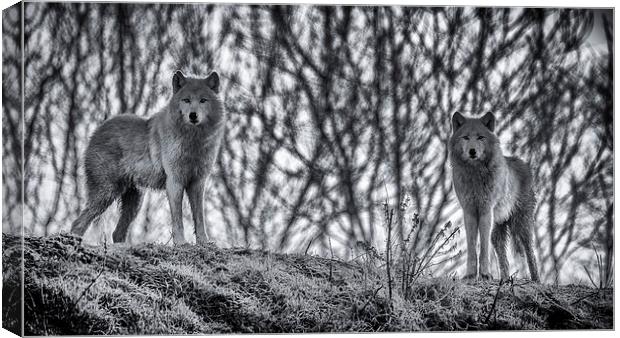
{"type": "Point", "coordinates": [155, 289]}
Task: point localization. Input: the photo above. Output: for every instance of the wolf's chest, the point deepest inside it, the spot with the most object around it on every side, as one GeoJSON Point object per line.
{"type": "Point", "coordinates": [188, 160]}
{"type": "Point", "coordinates": [473, 187]}
{"type": "Point", "coordinates": [193, 162]}
{"type": "Point", "coordinates": [477, 191]}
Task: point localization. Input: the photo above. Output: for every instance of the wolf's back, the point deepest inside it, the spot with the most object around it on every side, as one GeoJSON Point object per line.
{"type": "Point", "coordinates": [119, 138]}
{"type": "Point", "coordinates": [119, 134]}
{"type": "Point", "coordinates": [522, 171]}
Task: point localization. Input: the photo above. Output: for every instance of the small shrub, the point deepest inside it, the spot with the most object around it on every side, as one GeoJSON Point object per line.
{"type": "Point", "coordinates": [414, 257]}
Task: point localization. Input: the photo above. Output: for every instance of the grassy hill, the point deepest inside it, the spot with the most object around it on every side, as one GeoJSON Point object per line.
{"type": "Point", "coordinates": [155, 289]}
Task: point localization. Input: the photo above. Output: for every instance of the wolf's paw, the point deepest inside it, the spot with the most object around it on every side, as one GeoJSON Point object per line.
{"type": "Point", "coordinates": [471, 276]}
{"type": "Point", "coordinates": [486, 276]}
{"type": "Point", "coordinates": [179, 241]}
{"type": "Point", "coordinates": [202, 242]}
{"type": "Point", "coordinates": [505, 278]}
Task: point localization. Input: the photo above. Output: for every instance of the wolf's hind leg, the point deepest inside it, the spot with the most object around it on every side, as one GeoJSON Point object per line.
{"type": "Point", "coordinates": [526, 242]}
{"type": "Point", "coordinates": [531, 262]}
{"type": "Point", "coordinates": [522, 229]}
{"type": "Point", "coordinates": [93, 209]}
{"type": "Point", "coordinates": [499, 238]}
{"type": "Point", "coordinates": [130, 205]}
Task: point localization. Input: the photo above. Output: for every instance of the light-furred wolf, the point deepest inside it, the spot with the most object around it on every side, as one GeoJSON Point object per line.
{"type": "Point", "coordinates": [174, 150]}
{"type": "Point", "coordinates": [495, 193]}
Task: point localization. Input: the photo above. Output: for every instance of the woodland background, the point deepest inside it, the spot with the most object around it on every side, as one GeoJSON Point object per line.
{"type": "Point", "coordinates": [332, 112]}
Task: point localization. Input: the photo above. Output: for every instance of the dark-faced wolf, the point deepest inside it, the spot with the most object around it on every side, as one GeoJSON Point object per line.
{"type": "Point", "coordinates": [495, 193]}
{"type": "Point", "coordinates": [173, 150]}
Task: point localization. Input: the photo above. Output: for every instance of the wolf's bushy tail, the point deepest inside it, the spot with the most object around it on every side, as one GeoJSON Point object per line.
{"type": "Point", "coordinates": [521, 230]}
{"type": "Point", "coordinates": [516, 235]}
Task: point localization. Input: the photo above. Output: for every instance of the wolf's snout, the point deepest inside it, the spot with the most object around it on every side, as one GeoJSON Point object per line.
{"type": "Point", "coordinates": [472, 153]}
{"type": "Point", "coordinates": [193, 117]}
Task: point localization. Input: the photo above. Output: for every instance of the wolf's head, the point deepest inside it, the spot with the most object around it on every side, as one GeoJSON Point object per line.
{"type": "Point", "coordinates": [195, 101]}
{"type": "Point", "coordinates": [473, 139]}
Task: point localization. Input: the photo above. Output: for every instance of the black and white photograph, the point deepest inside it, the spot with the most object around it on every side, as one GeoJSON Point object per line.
{"type": "Point", "coordinates": [225, 168]}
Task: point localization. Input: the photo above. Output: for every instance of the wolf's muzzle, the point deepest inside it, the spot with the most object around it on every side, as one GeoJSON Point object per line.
{"type": "Point", "coordinates": [193, 117]}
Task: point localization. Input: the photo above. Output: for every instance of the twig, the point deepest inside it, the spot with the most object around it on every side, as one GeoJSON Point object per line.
{"type": "Point", "coordinates": [373, 297]}
{"type": "Point", "coordinates": [447, 294]}
{"type": "Point", "coordinates": [308, 247]}
{"type": "Point", "coordinates": [105, 257]}
{"type": "Point", "coordinates": [589, 276]}
{"type": "Point", "coordinates": [600, 267]}
{"type": "Point", "coordinates": [556, 303]}
{"type": "Point", "coordinates": [331, 262]}
{"type": "Point", "coordinates": [169, 239]}
{"type": "Point", "coordinates": [43, 310]}
{"type": "Point", "coordinates": [499, 286]}
{"type": "Point", "coordinates": [426, 259]}
{"type": "Point", "coordinates": [588, 295]}
{"type": "Point", "coordinates": [460, 253]}
{"type": "Point", "coordinates": [387, 254]}
{"type": "Point", "coordinates": [389, 213]}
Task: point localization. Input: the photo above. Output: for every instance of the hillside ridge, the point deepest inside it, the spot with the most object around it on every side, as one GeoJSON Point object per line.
{"type": "Point", "coordinates": [72, 288]}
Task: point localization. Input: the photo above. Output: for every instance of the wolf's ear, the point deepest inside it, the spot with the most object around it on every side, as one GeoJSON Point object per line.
{"type": "Point", "coordinates": [457, 121]}
{"type": "Point", "coordinates": [488, 120]}
{"type": "Point", "coordinates": [178, 80]}
{"type": "Point", "coordinates": [213, 81]}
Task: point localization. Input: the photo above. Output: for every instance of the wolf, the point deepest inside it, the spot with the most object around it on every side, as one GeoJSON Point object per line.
{"type": "Point", "coordinates": [495, 193]}
{"type": "Point", "coordinates": [175, 150]}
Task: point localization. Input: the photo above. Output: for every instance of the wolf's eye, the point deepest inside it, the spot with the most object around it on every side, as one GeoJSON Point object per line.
{"type": "Point", "coordinates": [203, 100]}
{"type": "Point", "coordinates": [186, 100]}
{"type": "Point", "coordinates": [481, 137]}
{"type": "Point", "coordinates": [466, 138]}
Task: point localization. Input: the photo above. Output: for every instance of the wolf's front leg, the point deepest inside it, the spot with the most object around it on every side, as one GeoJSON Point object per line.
{"type": "Point", "coordinates": [174, 190]}
{"type": "Point", "coordinates": [195, 192]}
{"type": "Point", "coordinates": [485, 222]}
{"type": "Point", "coordinates": [471, 232]}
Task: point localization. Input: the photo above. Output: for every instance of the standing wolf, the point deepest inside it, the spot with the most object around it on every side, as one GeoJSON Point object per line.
{"type": "Point", "coordinates": [495, 192]}
{"type": "Point", "coordinates": [174, 149]}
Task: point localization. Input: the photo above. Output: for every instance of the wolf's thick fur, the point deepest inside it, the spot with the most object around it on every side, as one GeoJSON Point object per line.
{"type": "Point", "coordinates": [495, 192]}
{"type": "Point", "coordinates": [174, 150]}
